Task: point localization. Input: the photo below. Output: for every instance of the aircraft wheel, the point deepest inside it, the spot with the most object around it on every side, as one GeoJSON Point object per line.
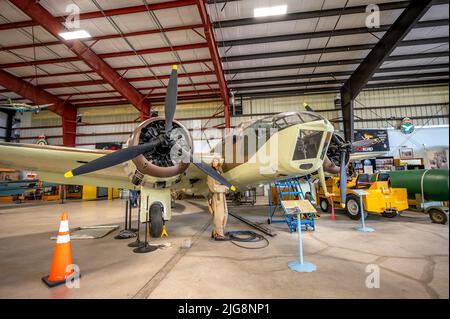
{"type": "Point", "coordinates": [353, 207]}
{"type": "Point", "coordinates": [156, 220]}
{"type": "Point", "coordinates": [324, 205]}
{"type": "Point", "coordinates": [437, 216]}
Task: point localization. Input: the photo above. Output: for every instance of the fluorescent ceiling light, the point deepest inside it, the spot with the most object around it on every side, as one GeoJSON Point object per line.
{"type": "Point", "coordinates": [270, 11]}
{"type": "Point", "coordinates": [72, 35]}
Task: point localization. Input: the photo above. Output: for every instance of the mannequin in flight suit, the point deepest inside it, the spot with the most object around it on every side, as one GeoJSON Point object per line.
{"type": "Point", "coordinates": [217, 203]}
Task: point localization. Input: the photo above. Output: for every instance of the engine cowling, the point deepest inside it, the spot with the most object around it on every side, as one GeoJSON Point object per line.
{"type": "Point", "coordinates": [164, 161]}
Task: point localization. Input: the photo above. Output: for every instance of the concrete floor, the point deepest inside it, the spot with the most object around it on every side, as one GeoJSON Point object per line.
{"type": "Point", "coordinates": [412, 254]}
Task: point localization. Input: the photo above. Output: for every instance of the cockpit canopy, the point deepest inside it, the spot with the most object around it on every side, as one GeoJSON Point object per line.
{"type": "Point", "coordinates": [281, 121]}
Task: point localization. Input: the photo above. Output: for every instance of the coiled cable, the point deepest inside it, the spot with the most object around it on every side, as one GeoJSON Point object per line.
{"type": "Point", "coordinates": [246, 236]}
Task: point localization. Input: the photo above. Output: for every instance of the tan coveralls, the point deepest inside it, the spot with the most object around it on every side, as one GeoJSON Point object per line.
{"type": "Point", "coordinates": [218, 206]}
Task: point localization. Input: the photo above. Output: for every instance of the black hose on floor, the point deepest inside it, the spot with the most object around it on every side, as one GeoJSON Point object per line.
{"type": "Point", "coordinates": [246, 236]}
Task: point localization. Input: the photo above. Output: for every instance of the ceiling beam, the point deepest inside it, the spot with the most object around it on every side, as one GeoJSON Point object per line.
{"type": "Point", "coordinates": [35, 11]}
{"type": "Point", "coordinates": [214, 52]}
{"type": "Point", "coordinates": [323, 34]}
{"type": "Point", "coordinates": [307, 15]}
{"type": "Point", "coordinates": [108, 13]}
{"type": "Point", "coordinates": [296, 92]}
{"type": "Point", "coordinates": [334, 63]}
{"type": "Point", "coordinates": [125, 68]}
{"type": "Point", "coordinates": [137, 79]}
{"type": "Point", "coordinates": [379, 54]}
{"type": "Point", "coordinates": [344, 48]}
{"type": "Point", "coordinates": [335, 74]}
{"type": "Point", "coordinates": [105, 98]}
{"type": "Point", "coordinates": [340, 81]}
{"type": "Point", "coordinates": [156, 100]}
{"type": "Point", "coordinates": [105, 55]}
{"type": "Point", "coordinates": [103, 37]}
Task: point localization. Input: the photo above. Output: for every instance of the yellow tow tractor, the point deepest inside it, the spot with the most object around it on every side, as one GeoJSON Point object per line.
{"type": "Point", "coordinates": [381, 198]}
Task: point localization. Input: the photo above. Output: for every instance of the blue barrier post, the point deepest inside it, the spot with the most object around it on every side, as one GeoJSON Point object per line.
{"type": "Point", "coordinates": [363, 227]}
{"type": "Point", "coordinates": [300, 265]}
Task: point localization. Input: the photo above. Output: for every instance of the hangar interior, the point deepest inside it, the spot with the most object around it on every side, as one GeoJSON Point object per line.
{"type": "Point", "coordinates": [371, 70]}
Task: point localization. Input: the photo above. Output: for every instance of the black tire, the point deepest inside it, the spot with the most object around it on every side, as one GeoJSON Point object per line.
{"type": "Point", "coordinates": [353, 207]}
{"type": "Point", "coordinates": [390, 214]}
{"type": "Point", "coordinates": [324, 205]}
{"type": "Point", "coordinates": [156, 220]}
{"type": "Point", "coordinates": [437, 216]}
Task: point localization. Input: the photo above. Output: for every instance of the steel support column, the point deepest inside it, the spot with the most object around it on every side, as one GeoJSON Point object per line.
{"type": "Point", "coordinates": [214, 52]}
{"type": "Point", "coordinates": [9, 125]}
{"type": "Point", "coordinates": [69, 127]}
{"type": "Point", "coordinates": [358, 80]}
{"type": "Point", "coordinates": [35, 11]}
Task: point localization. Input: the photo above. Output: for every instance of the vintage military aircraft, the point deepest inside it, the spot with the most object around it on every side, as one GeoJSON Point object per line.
{"type": "Point", "coordinates": [159, 157]}
{"type": "Point", "coordinates": [22, 107]}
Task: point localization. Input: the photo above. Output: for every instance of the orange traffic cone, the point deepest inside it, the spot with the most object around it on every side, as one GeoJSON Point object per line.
{"type": "Point", "coordinates": [62, 256]}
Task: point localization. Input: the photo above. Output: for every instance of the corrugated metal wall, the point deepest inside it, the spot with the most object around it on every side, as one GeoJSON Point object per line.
{"type": "Point", "coordinates": [44, 123]}
{"type": "Point", "coordinates": [374, 109]}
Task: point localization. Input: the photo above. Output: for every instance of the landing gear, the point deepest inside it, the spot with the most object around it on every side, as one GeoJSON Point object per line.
{"type": "Point", "coordinates": [156, 220]}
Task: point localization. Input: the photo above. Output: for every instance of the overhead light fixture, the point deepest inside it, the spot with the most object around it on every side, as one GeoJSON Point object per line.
{"type": "Point", "coordinates": [270, 11]}
{"type": "Point", "coordinates": [72, 35]}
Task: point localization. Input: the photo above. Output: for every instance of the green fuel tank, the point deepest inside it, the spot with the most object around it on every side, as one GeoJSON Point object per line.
{"type": "Point", "coordinates": [434, 181]}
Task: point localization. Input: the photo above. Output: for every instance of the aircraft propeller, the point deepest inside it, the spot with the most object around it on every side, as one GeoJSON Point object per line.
{"type": "Point", "coordinates": [126, 154]}
{"type": "Point", "coordinates": [344, 149]}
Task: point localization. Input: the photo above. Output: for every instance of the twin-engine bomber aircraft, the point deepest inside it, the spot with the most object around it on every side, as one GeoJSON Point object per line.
{"type": "Point", "coordinates": [159, 157]}
{"type": "Point", "coordinates": [22, 107]}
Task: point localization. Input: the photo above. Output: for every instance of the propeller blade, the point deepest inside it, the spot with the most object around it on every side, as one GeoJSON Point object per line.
{"type": "Point", "coordinates": [307, 107]}
{"type": "Point", "coordinates": [364, 143]}
{"type": "Point", "coordinates": [343, 177]}
{"type": "Point", "coordinates": [212, 172]}
{"type": "Point", "coordinates": [114, 158]}
{"type": "Point", "coordinates": [171, 99]}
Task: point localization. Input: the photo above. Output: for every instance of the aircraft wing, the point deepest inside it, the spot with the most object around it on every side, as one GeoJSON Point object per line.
{"type": "Point", "coordinates": [194, 182]}
{"type": "Point", "coordinates": [43, 106]}
{"type": "Point", "coordinates": [363, 156]}
{"type": "Point", "coordinates": [51, 162]}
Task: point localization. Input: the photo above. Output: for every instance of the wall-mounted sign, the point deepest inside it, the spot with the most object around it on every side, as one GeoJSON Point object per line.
{"type": "Point", "coordinates": [407, 127]}
{"type": "Point", "coordinates": [380, 138]}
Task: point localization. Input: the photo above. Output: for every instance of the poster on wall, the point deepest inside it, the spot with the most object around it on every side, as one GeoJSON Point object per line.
{"type": "Point", "coordinates": [380, 137]}
{"type": "Point", "coordinates": [437, 159]}
{"type": "Point", "coordinates": [406, 153]}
